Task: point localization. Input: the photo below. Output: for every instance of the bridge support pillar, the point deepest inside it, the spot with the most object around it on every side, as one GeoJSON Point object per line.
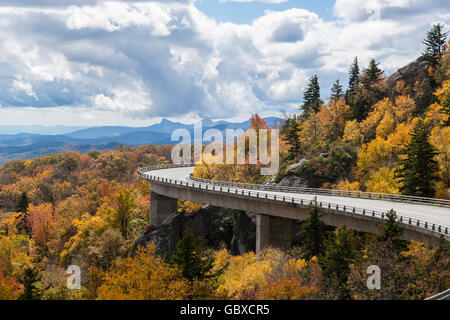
{"type": "Point", "coordinates": [161, 207]}
{"type": "Point", "coordinates": [273, 232]}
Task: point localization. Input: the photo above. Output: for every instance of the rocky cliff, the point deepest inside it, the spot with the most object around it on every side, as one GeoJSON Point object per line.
{"type": "Point", "coordinates": [409, 73]}
{"type": "Point", "coordinates": [235, 230]}
{"type": "Point", "coordinates": [216, 226]}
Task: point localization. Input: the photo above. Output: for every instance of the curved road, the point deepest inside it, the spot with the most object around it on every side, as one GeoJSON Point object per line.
{"type": "Point", "coordinates": [430, 214]}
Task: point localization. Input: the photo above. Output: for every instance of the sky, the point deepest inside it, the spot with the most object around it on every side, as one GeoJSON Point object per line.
{"type": "Point", "coordinates": [134, 62]}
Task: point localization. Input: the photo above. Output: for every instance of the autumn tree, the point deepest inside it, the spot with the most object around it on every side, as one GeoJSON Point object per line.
{"type": "Point", "coordinates": [313, 233]}
{"type": "Point", "coordinates": [434, 41]}
{"type": "Point", "coordinates": [124, 213]}
{"type": "Point", "coordinates": [144, 277]}
{"type": "Point", "coordinates": [443, 96]}
{"type": "Point", "coordinates": [10, 288]}
{"type": "Point", "coordinates": [311, 96]}
{"type": "Point", "coordinates": [42, 223]}
{"type": "Point", "coordinates": [418, 171]}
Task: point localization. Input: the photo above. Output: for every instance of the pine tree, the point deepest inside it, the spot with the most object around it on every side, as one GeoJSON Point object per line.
{"type": "Point", "coordinates": [418, 172]}
{"type": "Point", "coordinates": [311, 96]}
{"type": "Point", "coordinates": [22, 203]}
{"type": "Point", "coordinates": [29, 280]}
{"type": "Point", "coordinates": [192, 258]}
{"type": "Point", "coordinates": [390, 231]}
{"type": "Point", "coordinates": [357, 107]}
{"type": "Point", "coordinates": [289, 131]}
{"type": "Point", "coordinates": [337, 91]}
{"type": "Point", "coordinates": [353, 75]}
{"type": "Point", "coordinates": [434, 42]}
{"type": "Point", "coordinates": [340, 250]}
{"type": "Point", "coordinates": [313, 233]}
{"type": "Point", "coordinates": [372, 74]}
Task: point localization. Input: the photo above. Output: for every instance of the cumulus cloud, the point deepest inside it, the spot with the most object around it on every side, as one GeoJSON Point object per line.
{"type": "Point", "coordinates": [65, 3]}
{"type": "Point", "coordinates": [354, 10]}
{"type": "Point", "coordinates": [149, 59]}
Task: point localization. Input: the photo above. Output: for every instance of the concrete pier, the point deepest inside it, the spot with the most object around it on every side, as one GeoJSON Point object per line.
{"type": "Point", "coordinates": [161, 207]}
{"type": "Point", "coordinates": [273, 232]}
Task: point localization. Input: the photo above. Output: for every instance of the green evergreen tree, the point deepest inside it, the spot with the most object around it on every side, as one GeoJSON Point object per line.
{"type": "Point", "coordinates": [443, 249]}
{"type": "Point", "coordinates": [340, 250]}
{"type": "Point", "coordinates": [418, 171]}
{"type": "Point", "coordinates": [358, 107]}
{"type": "Point", "coordinates": [29, 280]}
{"type": "Point", "coordinates": [192, 258]}
{"type": "Point", "coordinates": [390, 232]}
{"type": "Point", "coordinates": [22, 203]}
{"type": "Point", "coordinates": [434, 42]}
{"type": "Point", "coordinates": [313, 233]}
{"type": "Point", "coordinates": [354, 74]}
{"type": "Point", "coordinates": [372, 74]}
{"type": "Point", "coordinates": [337, 92]}
{"type": "Point", "coordinates": [311, 96]}
{"type": "Point", "coordinates": [289, 131]}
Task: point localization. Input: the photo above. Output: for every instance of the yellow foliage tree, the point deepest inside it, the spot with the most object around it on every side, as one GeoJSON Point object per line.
{"type": "Point", "coordinates": [333, 119]}
{"type": "Point", "coordinates": [348, 186]}
{"type": "Point", "coordinates": [353, 133]}
{"type": "Point", "coordinates": [440, 138]}
{"type": "Point", "coordinates": [144, 277]}
{"type": "Point", "coordinates": [404, 108]}
{"type": "Point", "coordinates": [383, 181]}
{"type": "Point", "coordinates": [10, 289]}
{"type": "Point", "coordinates": [374, 155]}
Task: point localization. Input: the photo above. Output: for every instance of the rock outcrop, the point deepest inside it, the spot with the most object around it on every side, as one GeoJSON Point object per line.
{"type": "Point", "coordinates": [293, 181]}
{"type": "Point", "coordinates": [216, 226]}
{"type": "Point", "coordinates": [409, 73]}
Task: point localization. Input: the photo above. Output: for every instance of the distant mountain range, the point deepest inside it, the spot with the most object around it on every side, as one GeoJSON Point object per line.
{"type": "Point", "coordinates": [34, 141]}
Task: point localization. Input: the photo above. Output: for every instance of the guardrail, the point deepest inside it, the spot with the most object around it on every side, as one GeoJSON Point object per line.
{"type": "Point", "coordinates": [238, 190]}
{"type": "Point", "coordinates": [441, 296]}
{"type": "Point", "coordinates": [330, 192]}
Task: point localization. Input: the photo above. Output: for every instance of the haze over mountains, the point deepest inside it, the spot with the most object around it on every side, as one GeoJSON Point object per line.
{"type": "Point", "coordinates": [33, 141]}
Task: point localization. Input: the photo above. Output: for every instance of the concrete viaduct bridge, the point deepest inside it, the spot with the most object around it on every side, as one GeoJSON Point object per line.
{"type": "Point", "coordinates": [424, 219]}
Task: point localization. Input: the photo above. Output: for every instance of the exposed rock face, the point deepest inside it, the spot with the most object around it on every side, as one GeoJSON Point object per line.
{"type": "Point", "coordinates": [409, 73]}
{"type": "Point", "coordinates": [216, 226]}
{"type": "Point", "coordinates": [295, 166]}
{"type": "Point", "coordinates": [293, 181]}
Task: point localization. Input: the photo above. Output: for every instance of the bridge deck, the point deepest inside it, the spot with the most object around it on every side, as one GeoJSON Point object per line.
{"type": "Point", "coordinates": [431, 214]}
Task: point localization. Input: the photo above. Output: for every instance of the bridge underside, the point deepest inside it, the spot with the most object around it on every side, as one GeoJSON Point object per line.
{"type": "Point", "coordinates": [273, 218]}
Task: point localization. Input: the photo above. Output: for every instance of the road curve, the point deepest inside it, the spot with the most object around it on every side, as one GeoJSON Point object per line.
{"type": "Point", "coordinates": [431, 215]}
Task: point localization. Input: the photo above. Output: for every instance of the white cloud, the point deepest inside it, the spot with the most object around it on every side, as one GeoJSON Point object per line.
{"type": "Point", "coordinates": [152, 59]}
{"type": "Point", "coordinates": [25, 87]}
{"type": "Point", "coordinates": [113, 16]}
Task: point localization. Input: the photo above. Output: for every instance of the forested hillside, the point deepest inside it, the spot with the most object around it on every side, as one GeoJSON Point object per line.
{"type": "Point", "coordinates": [386, 135]}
